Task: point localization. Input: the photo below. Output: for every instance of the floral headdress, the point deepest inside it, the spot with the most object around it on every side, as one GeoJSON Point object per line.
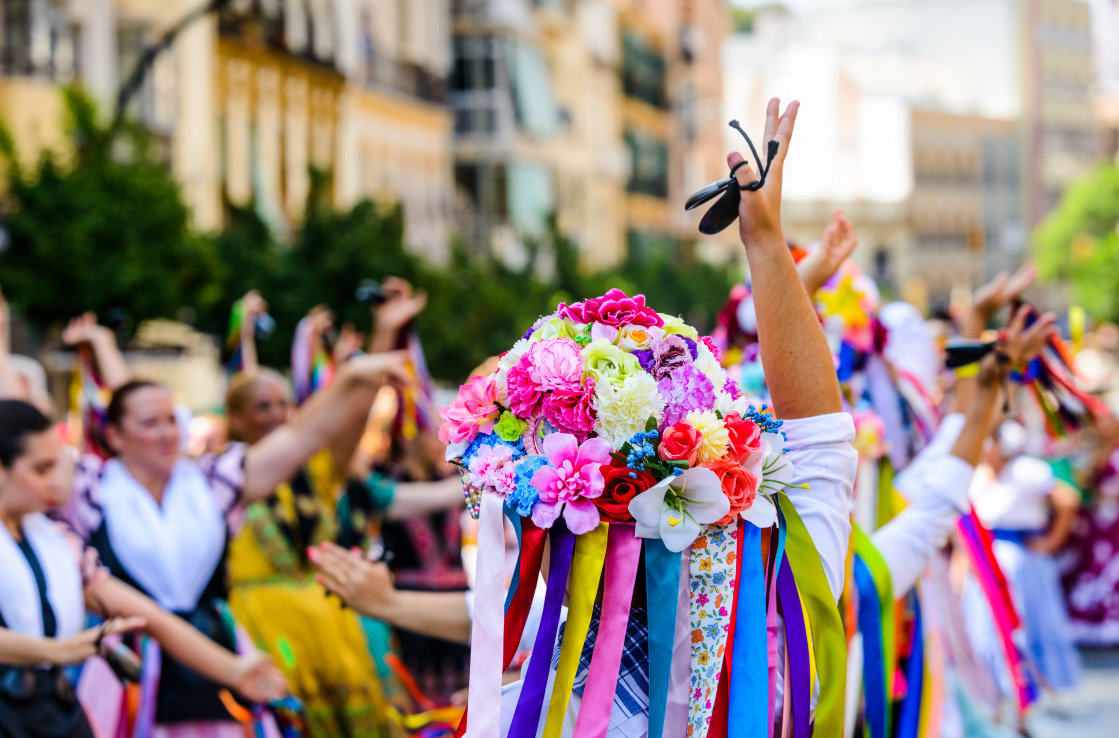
{"type": "Point", "coordinates": [614, 432]}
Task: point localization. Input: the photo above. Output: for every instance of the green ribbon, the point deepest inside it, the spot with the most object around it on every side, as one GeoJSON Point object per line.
{"type": "Point", "coordinates": [829, 641]}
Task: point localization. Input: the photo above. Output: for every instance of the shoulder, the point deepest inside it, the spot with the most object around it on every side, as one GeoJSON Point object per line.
{"type": "Point", "coordinates": [1029, 473]}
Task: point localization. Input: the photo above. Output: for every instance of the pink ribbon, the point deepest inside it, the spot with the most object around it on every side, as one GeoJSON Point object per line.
{"type": "Point", "coordinates": [488, 631]}
{"type": "Point", "coordinates": [623, 553]}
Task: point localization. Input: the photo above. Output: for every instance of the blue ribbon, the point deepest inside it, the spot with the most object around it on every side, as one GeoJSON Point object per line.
{"type": "Point", "coordinates": [870, 626]}
{"type": "Point", "coordinates": [909, 722]}
{"type": "Point", "coordinates": [749, 675]}
{"type": "Point", "coordinates": [662, 591]}
{"type": "Point", "coordinates": [515, 519]}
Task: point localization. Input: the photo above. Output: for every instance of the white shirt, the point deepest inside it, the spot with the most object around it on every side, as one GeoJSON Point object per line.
{"type": "Point", "coordinates": [823, 458]}
{"type": "Point", "coordinates": [936, 486]}
{"type": "Point", "coordinates": [1016, 499]}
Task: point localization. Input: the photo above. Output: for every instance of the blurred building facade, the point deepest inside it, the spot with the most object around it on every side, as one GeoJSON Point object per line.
{"type": "Point", "coordinates": [602, 113]}
{"type": "Point", "coordinates": [962, 119]}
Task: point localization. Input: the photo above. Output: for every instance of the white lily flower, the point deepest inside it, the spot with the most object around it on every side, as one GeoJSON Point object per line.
{"type": "Point", "coordinates": [677, 507]}
{"type": "Point", "coordinates": [761, 512]}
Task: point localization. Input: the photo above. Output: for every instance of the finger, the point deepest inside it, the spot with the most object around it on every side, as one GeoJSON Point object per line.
{"type": "Point", "coordinates": [125, 625]}
{"type": "Point", "coordinates": [771, 118]}
{"type": "Point", "coordinates": [1022, 280]}
{"type": "Point", "coordinates": [785, 131]}
{"type": "Point", "coordinates": [1018, 322]}
{"type": "Point", "coordinates": [331, 584]}
{"type": "Point", "coordinates": [745, 174]}
{"type": "Point", "coordinates": [345, 561]}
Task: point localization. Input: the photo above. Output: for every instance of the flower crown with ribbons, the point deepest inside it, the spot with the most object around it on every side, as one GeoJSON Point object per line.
{"type": "Point", "coordinates": [613, 432]}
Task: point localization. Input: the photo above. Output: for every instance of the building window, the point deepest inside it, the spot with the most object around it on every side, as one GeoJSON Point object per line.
{"type": "Point", "coordinates": [648, 165]}
{"type": "Point", "coordinates": [38, 39]}
{"type": "Point", "coordinates": [644, 71]}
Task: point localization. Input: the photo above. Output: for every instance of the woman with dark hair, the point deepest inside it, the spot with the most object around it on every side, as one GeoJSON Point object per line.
{"type": "Point", "coordinates": [163, 523]}
{"type": "Point", "coordinates": [47, 582]}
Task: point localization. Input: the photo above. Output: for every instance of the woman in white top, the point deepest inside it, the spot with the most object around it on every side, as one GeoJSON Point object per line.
{"type": "Point", "coordinates": [47, 582]}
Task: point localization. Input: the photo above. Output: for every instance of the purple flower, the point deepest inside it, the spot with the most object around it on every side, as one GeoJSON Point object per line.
{"type": "Point", "coordinates": [731, 388]}
{"type": "Point", "coordinates": [665, 355]}
{"type": "Point", "coordinates": [684, 390]}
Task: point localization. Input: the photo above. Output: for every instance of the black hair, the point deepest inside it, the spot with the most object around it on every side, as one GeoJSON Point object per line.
{"type": "Point", "coordinates": [18, 420]}
{"type": "Point", "coordinates": [115, 412]}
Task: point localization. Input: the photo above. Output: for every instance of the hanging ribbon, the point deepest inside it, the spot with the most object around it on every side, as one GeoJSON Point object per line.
{"type": "Point", "coordinates": [749, 669]}
{"type": "Point", "coordinates": [874, 661]}
{"type": "Point", "coordinates": [662, 584]}
{"type": "Point", "coordinates": [720, 716]}
{"type": "Point", "coordinates": [773, 627]}
{"type": "Point", "coordinates": [712, 597]}
{"type": "Point", "coordinates": [486, 635]}
{"type": "Point", "coordinates": [828, 642]}
{"type": "Point", "coordinates": [909, 720]}
{"type": "Point", "coordinates": [680, 676]}
{"type": "Point", "coordinates": [526, 717]}
{"type": "Point", "coordinates": [586, 571]}
{"type": "Point", "coordinates": [796, 638]}
{"type": "Point", "coordinates": [623, 554]}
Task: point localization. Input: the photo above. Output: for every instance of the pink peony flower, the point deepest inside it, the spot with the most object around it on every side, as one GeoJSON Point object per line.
{"type": "Point", "coordinates": [613, 309]}
{"type": "Point", "coordinates": [571, 482]}
{"type": "Point", "coordinates": [492, 468]}
{"type": "Point", "coordinates": [572, 410]}
{"type": "Point", "coordinates": [474, 411]}
{"type": "Point", "coordinates": [713, 347]}
{"type": "Point", "coordinates": [553, 364]}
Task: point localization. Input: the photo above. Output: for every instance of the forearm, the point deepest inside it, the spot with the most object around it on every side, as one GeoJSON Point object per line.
{"type": "Point", "coordinates": [17, 649]}
{"type": "Point", "coordinates": [980, 416]}
{"type": "Point", "coordinates": [177, 637]}
{"type": "Point", "coordinates": [382, 339]}
{"type": "Point", "coordinates": [10, 386]}
{"type": "Point", "coordinates": [413, 499]}
{"type": "Point", "coordinates": [798, 365]}
{"type": "Point", "coordinates": [249, 362]}
{"type": "Point", "coordinates": [442, 615]}
{"type": "Point", "coordinates": [110, 361]}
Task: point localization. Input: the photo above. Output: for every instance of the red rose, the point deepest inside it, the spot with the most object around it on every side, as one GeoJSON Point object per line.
{"type": "Point", "coordinates": [622, 485]}
{"type": "Point", "coordinates": [745, 436]}
{"type": "Point", "coordinates": [740, 485]}
{"type": "Point", "coordinates": [680, 442]}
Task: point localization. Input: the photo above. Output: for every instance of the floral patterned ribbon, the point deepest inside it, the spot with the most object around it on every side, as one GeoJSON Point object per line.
{"type": "Point", "coordinates": [623, 554]}
{"type": "Point", "coordinates": [749, 676]}
{"type": "Point", "coordinates": [712, 593]}
{"type": "Point", "coordinates": [586, 570]}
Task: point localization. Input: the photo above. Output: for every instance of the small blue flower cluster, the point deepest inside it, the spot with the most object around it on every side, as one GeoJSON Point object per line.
{"type": "Point", "coordinates": [525, 497]}
{"type": "Point", "coordinates": [767, 422]}
{"type": "Point", "coordinates": [641, 448]}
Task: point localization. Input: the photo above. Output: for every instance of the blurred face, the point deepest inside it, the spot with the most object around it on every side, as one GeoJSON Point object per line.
{"type": "Point", "coordinates": [148, 434]}
{"type": "Point", "coordinates": [33, 484]}
{"type": "Point", "coordinates": [265, 410]}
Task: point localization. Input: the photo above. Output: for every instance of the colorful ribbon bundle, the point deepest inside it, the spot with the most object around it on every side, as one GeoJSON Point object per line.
{"type": "Point", "coordinates": [90, 397]}
{"type": "Point", "coordinates": [978, 543]}
{"type": "Point", "coordinates": [611, 435]}
{"type": "Point", "coordinates": [312, 366]}
{"type": "Point", "coordinates": [1053, 380]}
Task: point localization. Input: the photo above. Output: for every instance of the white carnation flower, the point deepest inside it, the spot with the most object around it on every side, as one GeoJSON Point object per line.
{"type": "Point", "coordinates": [624, 409]}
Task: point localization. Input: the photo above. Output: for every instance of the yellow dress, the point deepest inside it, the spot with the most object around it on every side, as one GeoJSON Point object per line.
{"type": "Point", "coordinates": [320, 645]}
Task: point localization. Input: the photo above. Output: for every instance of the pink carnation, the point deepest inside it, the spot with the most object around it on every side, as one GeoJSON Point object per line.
{"type": "Point", "coordinates": [492, 468]}
{"type": "Point", "coordinates": [717, 352]}
{"type": "Point", "coordinates": [474, 411]}
{"type": "Point", "coordinates": [554, 364]}
{"type": "Point", "coordinates": [613, 309]}
{"type": "Point", "coordinates": [572, 410]}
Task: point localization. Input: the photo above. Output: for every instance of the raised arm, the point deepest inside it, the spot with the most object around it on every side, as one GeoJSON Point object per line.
{"type": "Point", "coordinates": [252, 306]}
{"type": "Point", "coordinates": [110, 361]}
{"type": "Point", "coordinates": [10, 386]}
{"type": "Point", "coordinates": [794, 353]}
{"type": "Point", "coordinates": [400, 308]}
{"type": "Point", "coordinates": [837, 243]}
{"type": "Point", "coordinates": [279, 454]}
{"type": "Point", "coordinates": [253, 676]}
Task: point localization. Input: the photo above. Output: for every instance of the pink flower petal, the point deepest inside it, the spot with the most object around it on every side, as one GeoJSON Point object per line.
{"type": "Point", "coordinates": [581, 516]}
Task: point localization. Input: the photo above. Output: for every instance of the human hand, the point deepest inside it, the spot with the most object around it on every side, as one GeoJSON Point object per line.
{"type": "Point", "coordinates": [759, 212]}
{"type": "Point", "coordinates": [401, 305]}
{"type": "Point", "coordinates": [84, 329]}
{"type": "Point", "coordinates": [364, 585]}
{"type": "Point", "coordinates": [387, 366]}
{"type": "Point", "coordinates": [349, 343]}
{"type": "Point", "coordinates": [88, 643]}
{"type": "Point", "coordinates": [1020, 345]}
{"type": "Point", "coordinates": [252, 305]}
{"type": "Point", "coordinates": [991, 297]}
{"type": "Point", "coordinates": [837, 243]}
{"type": "Point", "coordinates": [258, 679]}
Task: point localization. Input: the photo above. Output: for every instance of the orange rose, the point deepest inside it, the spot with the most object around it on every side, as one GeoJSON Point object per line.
{"type": "Point", "coordinates": [740, 485]}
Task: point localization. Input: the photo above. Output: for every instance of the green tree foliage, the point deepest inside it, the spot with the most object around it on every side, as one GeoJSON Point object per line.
{"type": "Point", "coordinates": [106, 228]}
{"type": "Point", "coordinates": [1078, 242]}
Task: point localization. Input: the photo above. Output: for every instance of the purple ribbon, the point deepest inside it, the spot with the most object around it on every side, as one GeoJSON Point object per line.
{"type": "Point", "coordinates": [526, 718]}
{"type": "Point", "coordinates": [796, 636]}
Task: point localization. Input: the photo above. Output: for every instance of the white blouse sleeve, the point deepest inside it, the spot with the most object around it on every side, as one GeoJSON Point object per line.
{"type": "Point", "coordinates": [936, 486]}
{"type": "Point", "coordinates": [824, 459]}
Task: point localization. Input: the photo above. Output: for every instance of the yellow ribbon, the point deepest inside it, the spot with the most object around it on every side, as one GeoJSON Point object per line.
{"type": "Point", "coordinates": [586, 571]}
